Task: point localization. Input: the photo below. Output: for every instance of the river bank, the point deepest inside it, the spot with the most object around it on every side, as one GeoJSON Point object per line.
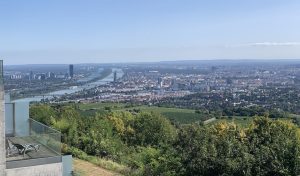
{"type": "Point", "coordinates": [74, 89]}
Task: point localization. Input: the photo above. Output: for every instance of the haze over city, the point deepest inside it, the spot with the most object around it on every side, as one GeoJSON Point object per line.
{"type": "Point", "coordinates": [105, 31]}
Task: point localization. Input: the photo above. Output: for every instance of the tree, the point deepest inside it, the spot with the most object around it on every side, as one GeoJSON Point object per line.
{"type": "Point", "coordinates": [43, 113]}
{"type": "Point", "coordinates": [275, 145]}
{"type": "Point", "coordinates": [216, 150]}
{"type": "Point", "coordinates": [152, 129]}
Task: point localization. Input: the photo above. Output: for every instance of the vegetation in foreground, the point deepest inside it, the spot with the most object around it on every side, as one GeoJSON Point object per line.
{"type": "Point", "coordinates": [147, 143]}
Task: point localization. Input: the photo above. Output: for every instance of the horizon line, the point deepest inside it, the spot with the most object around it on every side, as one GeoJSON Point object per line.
{"type": "Point", "coordinates": [143, 62]}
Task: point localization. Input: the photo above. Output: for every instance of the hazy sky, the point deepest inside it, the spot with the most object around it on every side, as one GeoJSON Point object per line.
{"type": "Point", "coordinates": [82, 31]}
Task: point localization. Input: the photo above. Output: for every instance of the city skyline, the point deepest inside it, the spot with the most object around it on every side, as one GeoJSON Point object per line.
{"type": "Point", "coordinates": [63, 32]}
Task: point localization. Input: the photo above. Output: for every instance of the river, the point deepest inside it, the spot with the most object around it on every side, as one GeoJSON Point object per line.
{"type": "Point", "coordinates": [74, 89]}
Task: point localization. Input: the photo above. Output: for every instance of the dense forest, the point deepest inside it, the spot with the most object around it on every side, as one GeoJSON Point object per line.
{"type": "Point", "coordinates": [147, 143]}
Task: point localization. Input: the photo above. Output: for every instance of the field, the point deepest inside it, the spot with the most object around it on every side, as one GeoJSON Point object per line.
{"type": "Point", "coordinates": [183, 116]}
{"type": "Point", "coordinates": [84, 168]}
{"type": "Point", "coordinates": [239, 120]}
{"type": "Point", "coordinates": [175, 114]}
{"type": "Point", "coordinates": [101, 106]}
{"type": "Point", "coordinates": [243, 121]}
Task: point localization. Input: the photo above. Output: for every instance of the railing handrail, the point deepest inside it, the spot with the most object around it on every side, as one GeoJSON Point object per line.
{"type": "Point", "coordinates": [30, 119]}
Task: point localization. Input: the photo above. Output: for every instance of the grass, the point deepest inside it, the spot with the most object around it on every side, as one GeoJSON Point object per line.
{"type": "Point", "coordinates": [103, 163]}
{"type": "Point", "coordinates": [101, 106]}
{"type": "Point", "coordinates": [90, 109]}
{"type": "Point", "coordinates": [243, 121]}
{"type": "Point", "coordinates": [92, 112]}
{"type": "Point", "coordinates": [183, 116]}
{"type": "Point", "coordinates": [108, 164]}
{"type": "Point", "coordinates": [85, 168]}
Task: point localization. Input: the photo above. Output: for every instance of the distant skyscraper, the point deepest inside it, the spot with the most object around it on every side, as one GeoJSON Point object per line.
{"type": "Point", "coordinates": [43, 77]}
{"type": "Point", "coordinates": [174, 84]}
{"type": "Point", "coordinates": [71, 70]}
{"type": "Point", "coordinates": [160, 82]}
{"type": "Point", "coordinates": [115, 76]}
{"type": "Point", "coordinates": [50, 75]}
{"type": "Point", "coordinates": [1, 70]}
{"type": "Point", "coordinates": [31, 75]}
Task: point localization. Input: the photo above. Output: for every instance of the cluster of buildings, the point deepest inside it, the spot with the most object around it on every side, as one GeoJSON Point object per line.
{"type": "Point", "coordinates": [224, 78]}
{"type": "Point", "coordinates": [40, 75]}
{"type": "Point", "coordinates": [150, 85]}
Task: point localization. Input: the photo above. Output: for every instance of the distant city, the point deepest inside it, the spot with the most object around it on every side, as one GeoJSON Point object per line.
{"type": "Point", "coordinates": [231, 82]}
{"type": "Point", "coordinates": [19, 75]}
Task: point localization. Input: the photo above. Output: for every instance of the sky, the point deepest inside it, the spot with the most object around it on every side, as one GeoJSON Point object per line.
{"type": "Point", "coordinates": [105, 31]}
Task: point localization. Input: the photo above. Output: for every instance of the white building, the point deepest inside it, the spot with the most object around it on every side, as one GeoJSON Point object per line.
{"type": "Point", "coordinates": [27, 147]}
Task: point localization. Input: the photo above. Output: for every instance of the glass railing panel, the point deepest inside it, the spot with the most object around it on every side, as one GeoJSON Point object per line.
{"type": "Point", "coordinates": [21, 148]}
{"type": "Point", "coordinates": [45, 135]}
{"type": "Point", "coordinates": [42, 142]}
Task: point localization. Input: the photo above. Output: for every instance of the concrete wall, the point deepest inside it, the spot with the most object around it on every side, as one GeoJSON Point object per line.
{"type": "Point", "coordinates": [41, 170]}
{"type": "Point", "coordinates": [2, 128]}
{"type": "Point", "coordinates": [67, 161]}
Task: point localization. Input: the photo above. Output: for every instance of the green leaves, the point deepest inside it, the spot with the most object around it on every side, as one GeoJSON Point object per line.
{"type": "Point", "coordinates": [275, 146]}
{"type": "Point", "coordinates": [267, 147]}
{"type": "Point", "coordinates": [151, 145]}
{"type": "Point", "coordinates": [152, 129]}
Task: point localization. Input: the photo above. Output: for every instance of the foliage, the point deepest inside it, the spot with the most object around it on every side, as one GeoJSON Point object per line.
{"type": "Point", "coordinates": [42, 113]}
{"type": "Point", "coordinates": [152, 129]}
{"type": "Point", "coordinates": [267, 147]}
{"type": "Point", "coordinates": [276, 147]}
{"type": "Point", "coordinates": [149, 144]}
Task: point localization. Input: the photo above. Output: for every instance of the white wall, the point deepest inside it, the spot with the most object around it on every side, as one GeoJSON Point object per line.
{"type": "Point", "coordinates": [40, 170]}
{"type": "Point", "coordinates": [2, 132]}
{"type": "Point", "coordinates": [67, 161]}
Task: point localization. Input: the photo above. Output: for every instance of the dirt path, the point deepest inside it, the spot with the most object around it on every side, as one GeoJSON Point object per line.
{"type": "Point", "coordinates": [84, 168]}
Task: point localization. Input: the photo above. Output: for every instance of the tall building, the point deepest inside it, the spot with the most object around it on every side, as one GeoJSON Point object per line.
{"type": "Point", "coordinates": [160, 82]}
{"type": "Point", "coordinates": [71, 71]}
{"type": "Point", "coordinates": [50, 75]}
{"type": "Point", "coordinates": [174, 84]}
{"type": "Point", "coordinates": [31, 75]}
{"type": "Point", "coordinates": [43, 77]}
{"type": "Point", "coordinates": [115, 76]}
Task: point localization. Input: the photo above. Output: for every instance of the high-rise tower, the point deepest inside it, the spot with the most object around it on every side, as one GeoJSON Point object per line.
{"type": "Point", "coordinates": [31, 75]}
{"type": "Point", "coordinates": [160, 82]}
{"type": "Point", "coordinates": [71, 71]}
{"type": "Point", "coordinates": [115, 76]}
